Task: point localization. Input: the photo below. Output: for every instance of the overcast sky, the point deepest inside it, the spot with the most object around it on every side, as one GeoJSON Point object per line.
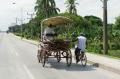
{"type": "Point", "coordinates": [9, 11]}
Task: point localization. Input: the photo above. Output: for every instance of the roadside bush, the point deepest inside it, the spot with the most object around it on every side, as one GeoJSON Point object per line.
{"type": "Point", "coordinates": [95, 46]}
{"type": "Point", "coordinates": [115, 53]}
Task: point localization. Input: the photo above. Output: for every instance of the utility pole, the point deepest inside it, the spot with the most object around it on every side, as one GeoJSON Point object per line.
{"type": "Point", "coordinates": [21, 21]}
{"type": "Point", "coordinates": [16, 20]}
{"type": "Point", "coordinates": [21, 24]}
{"type": "Point", "coordinates": [31, 15]}
{"type": "Point", "coordinates": [105, 33]}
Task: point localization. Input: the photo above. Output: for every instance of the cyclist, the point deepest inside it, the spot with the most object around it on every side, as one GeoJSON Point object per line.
{"type": "Point", "coordinates": [81, 45]}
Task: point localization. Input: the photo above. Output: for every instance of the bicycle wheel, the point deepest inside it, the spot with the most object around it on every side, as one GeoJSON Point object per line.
{"type": "Point", "coordinates": [84, 60]}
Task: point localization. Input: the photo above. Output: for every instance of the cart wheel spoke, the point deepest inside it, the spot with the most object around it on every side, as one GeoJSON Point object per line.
{"type": "Point", "coordinates": [58, 56]}
{"type": "Point", "coordinates": [68, 57]}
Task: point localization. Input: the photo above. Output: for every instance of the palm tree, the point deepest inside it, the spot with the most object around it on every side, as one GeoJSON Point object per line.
{"type": "Point", "coordinates": [71, 6]}
{"type": "Point", "coordinates": [46, 8]}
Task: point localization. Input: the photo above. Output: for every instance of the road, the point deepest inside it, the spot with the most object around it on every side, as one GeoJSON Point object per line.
{"type": "Point", "coordinates": [18, 61]}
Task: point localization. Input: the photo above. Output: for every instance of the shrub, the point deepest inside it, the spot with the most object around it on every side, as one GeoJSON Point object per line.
{"type": "Point", "coordinates": [115, 53]}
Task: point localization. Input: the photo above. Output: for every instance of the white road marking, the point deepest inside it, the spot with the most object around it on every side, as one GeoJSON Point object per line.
{"type": "Point", "coordinates": [16, 53]}
{"type": "Point", "coordinates": [12, 49]}
{"type": "Point", "coordinates": [28, 72]}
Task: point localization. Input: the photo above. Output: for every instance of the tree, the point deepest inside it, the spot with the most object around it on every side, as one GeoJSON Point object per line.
{"type": "Point", "coordinates": [116, 33]}
{"type": "Point", "coordinates": [117, 23]}
{"type": "Point", "coordinates": [46, 8]}
{"type": "Point", "coordinates": [71, 6]}
{"type": "Point", "coordinates": [95, 26]}
{"type": "Point", "coordinates": [94, 20]}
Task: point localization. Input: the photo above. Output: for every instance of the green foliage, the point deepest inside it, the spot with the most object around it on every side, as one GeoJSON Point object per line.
{"type": "Point", "coordinates": [77, 20]}
{"type": "Point", "coordinates": [117, 23]}
{"type": "Point", "coordinates": [93, 31]}
{"type": "Point", "coordinates": [71, 6]}
{"type": "Point", "coordinates": [93, 20]}
{"type": "Point", "coordinates": [115, 35]}
{"type": "Point", "coordinates": [78, 24]}
{"type": "Point", "coordinates": [95, 46]}
{"type": "Point", "coordinates": [46, 8]}
{"type": "Point", "coordinates": [115, 53]}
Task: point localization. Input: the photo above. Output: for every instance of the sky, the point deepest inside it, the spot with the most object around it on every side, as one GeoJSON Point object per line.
{"type": "Point", "coordinates": [9, 11]}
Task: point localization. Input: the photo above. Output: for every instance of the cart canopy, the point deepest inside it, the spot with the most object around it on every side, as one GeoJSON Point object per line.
{"type": "Point", "coordinates": [58, 20]}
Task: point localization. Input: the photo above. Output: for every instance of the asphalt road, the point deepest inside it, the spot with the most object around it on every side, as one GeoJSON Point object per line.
{"type": "Point", "coordinates": [18, 61]}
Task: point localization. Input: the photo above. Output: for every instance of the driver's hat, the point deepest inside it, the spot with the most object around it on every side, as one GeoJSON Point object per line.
{"type": "Point", "coordinates": [81, 34]}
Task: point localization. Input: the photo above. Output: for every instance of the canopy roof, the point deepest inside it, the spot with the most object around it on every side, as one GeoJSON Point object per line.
{"type": "Point", "coordinates": [58, 20]}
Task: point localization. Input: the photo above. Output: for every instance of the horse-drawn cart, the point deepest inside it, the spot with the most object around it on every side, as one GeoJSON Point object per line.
{"type": "Point", "coordinates": [57, 48]}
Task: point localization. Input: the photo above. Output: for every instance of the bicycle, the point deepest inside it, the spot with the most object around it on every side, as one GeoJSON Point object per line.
{"type": "Point", "coordinates": [81, 57]}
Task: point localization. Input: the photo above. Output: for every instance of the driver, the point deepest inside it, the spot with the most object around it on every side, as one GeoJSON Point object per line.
{"type": "Point", "coordinates": [49, 33]}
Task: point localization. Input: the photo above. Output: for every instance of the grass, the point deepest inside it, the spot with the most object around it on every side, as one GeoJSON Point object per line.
{"type": "Point", "coordinates": [115, 54]}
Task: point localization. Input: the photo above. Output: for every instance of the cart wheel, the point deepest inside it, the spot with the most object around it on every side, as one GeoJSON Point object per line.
{"type": "Point", "coordinates": [58, 56]}
{"type": "Point", "coordinates": [84, 60]}
{"type": "Point", "coordinates": [43, 58]}
{"type": "Point", "coordinates": [68, 57]}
